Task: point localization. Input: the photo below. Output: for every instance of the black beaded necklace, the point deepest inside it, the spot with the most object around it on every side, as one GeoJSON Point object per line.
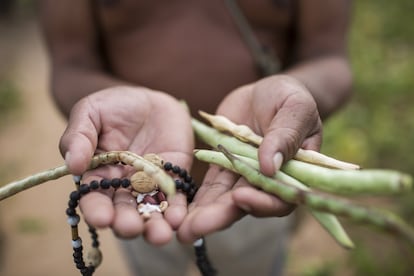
{"type": "Point", "coordinates": [184, 184]}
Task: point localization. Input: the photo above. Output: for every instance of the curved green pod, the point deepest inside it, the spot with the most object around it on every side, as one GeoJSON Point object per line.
{"type": "Point", "coordinates": [349, 182]}
{"type": "Point", "coordinates": [382, 219]}
{"type": "Point", "coordinates": [328, 221]}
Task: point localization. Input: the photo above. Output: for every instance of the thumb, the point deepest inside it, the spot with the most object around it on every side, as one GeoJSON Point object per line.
{"type": "Point", "coordinates": [79, 140]}
{"type": "Point", "coordinates": [286, 133]}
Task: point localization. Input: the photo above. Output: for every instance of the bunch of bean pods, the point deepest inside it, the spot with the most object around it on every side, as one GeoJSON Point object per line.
{"type": "Point", "coordinates": [322, 184]}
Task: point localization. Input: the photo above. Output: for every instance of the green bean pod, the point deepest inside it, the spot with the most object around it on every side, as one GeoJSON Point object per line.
{"type": "Point", "coordinates": [328, 221]}
{"type": "Point", "coordinates": [213, 138]}
{"type": "Point", "coordinates": [382, 219]}
{"type": "Point", "coordinates": [349, 182]}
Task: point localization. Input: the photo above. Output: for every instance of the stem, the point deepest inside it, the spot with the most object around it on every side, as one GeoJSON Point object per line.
{"type": "Point", "coordinates": [165, 182]}
{"type": "Point", "coordinates": [17, 186]}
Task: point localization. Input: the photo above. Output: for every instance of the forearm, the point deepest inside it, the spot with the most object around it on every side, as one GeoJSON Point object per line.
{"type": "Point", "coordinates": [329, 80]}
{"type": "Point", "coordinates": [69, 85]}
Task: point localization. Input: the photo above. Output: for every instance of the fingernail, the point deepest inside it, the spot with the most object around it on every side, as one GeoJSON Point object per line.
{"type": "Point", "coordinates": [77, 178]}
{"type": "Point", "coordinates": [277, 161]}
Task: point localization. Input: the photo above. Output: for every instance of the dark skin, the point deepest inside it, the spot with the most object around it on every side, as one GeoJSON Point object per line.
{"type": "Point", "coordinates": [119, 66]}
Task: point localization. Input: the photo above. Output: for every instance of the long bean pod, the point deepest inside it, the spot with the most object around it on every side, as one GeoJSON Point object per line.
{"type": "Point", "coordinates": [246, 134]}
{"type": "Point", "coordinates": [213, 138]}
{"type": "Point", "coordinates": [349, 182]}
{"type": "Point", "coordinates": [328, 221]}
{"type": "Point", "coordinates": [382, 219]}
{"type": "Point", "coordinates": [139, 163]}
{"type": "Point", "coordinates": [17, 186]}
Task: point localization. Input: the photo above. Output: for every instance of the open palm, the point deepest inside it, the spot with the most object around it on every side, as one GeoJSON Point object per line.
{"type": "Point", "coordinates": [138, 120]}
{"type": "Point", "coordinates": [283, 111]}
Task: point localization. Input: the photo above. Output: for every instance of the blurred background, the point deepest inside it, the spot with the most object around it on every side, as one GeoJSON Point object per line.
{"type": "Point", "coordinates": [375, 130]}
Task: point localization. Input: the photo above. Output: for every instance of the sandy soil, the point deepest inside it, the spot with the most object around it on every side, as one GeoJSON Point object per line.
{"type": "Point", "coordinates": [33, 223]}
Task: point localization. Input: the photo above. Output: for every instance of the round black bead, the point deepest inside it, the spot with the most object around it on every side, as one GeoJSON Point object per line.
{"type": "Point", "coordinates": [125, 183]}
{"type": "Point", "coordinates": [94, 185]}
{"type": "Point", "coordinates": [186, 187]}
{"type": "Point", "coordinates": [94, 235]}
{"type": "Point", "coordinates": [72, 203]}
{"type": "Point", "coordinates": [183, 173]}
{"type": "Point", "coordinates": [188, 178]}
{"type": "Point", "coordinates": [85, 271]}
{"type": "Point", "coordinates": [78, 249]}
{"type": "Point", "coordinates": [91, 269]}
{"type": "Point", "coordinates": [70, 211]}
{"type": "Point", "coordinates": [168, 166]}
{"type": "Point", "coordinates": [176, 169]}
{"type": "Point", "coordinates": [95, 244]}
{"type": "Point", "coordinates": [84, 189]}
{"type": "Point", "coordinates": [116, 183]}
{"type": "Point", "coordinates": [191, 194]}
{"type": "Point", "coordinates": [75, 195]}
{"type": "Point", "coordinates": [179, 184]}
{"type": "Point", "coordinates": [105, 183]}
{"type": "Point", "coordinates": [77, 255]}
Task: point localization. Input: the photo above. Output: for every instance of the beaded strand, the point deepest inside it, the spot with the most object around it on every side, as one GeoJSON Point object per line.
{"type": "Point", "coordinates": [94, 257]}
{"type": "Point", "coordinates": [184, 183]}
{"type": "Point", "coordinates": [187, 185]}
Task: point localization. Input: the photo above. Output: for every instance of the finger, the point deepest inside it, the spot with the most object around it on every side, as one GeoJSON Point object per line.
{"type": "Point", "coordinates": [78, 142]}
{"type": "Point", "coordinates": [97, 206]}
{"type": "Point", "coordinates": [177, 204]}
{"type": "Point", "coordinates": [313, 142]}
{"type": "Point", "coordinates": [204, 220]}
{"type": "Point", "coordinates": [211, 204]}
{"type": "Point", "coordinates": [157, 231]}
{"type": "Point", "coordinates": [177, 210]}
{"type": "Point", "coordinates": [297, 119]}
{"type": "Point", "coordinates": [260, 204]}
{"type": "Point", "coordinates": [127, 222]}
{"type": "Point", "coordinates": [216, 182]}
{"type": "Point", "coordinates": [97, 209]}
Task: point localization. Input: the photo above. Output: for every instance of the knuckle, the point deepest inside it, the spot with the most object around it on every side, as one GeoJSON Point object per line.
{"type": "Point", "coordinates": [289, 140]}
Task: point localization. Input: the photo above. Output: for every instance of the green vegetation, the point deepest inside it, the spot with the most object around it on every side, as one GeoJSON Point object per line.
{"type": "Point", "coordinates": [376, 128]}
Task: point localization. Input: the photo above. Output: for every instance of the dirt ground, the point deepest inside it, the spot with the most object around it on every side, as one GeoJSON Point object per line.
{"type": "Point", "coordinates": [36, 238]}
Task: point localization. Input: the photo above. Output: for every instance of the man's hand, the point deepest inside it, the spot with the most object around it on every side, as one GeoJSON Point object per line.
{"type": "Point", "coordinates": [283, 111]}
{"type": "Point", "coordinates": [138, 120]}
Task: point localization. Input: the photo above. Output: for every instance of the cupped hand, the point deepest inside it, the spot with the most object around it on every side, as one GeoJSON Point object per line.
{"type": "Point", "coordinates": [282, 110]}
{"type": "Point", "coordinates": [131, 119]}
